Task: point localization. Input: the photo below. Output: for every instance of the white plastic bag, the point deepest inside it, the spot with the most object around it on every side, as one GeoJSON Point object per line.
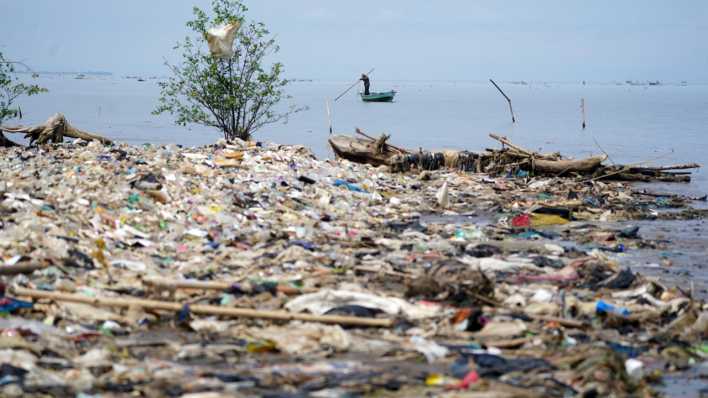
{"type": "Point", "coordinates": [221, 40]}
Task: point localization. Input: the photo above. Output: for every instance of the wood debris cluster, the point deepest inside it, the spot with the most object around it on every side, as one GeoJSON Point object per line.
{"type": "Point", "coordinates": [511, 159]}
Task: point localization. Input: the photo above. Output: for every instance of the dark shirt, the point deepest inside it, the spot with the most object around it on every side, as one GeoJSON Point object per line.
{"type": "Point", "coordinates": [365, 79]}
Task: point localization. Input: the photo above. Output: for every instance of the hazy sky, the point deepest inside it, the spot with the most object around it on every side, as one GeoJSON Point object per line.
{"type": "Point", "coordinates": [558, 40]}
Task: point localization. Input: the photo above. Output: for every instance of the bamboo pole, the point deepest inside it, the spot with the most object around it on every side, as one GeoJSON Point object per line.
{"type": "Point", "coordinates": [582, 110]}
{"type": "Point", "coordinates": [561, 321]}
{"type": "Point", "coordinates": [513, 118]}
{"type": "Point", "coordinates": [674, 167]}
{"type": "Point", "coordinates": [209, 285]}
{"type": "Point", "coordinates": [329, 116]}
{"type": "Point", "coordinates": [201, 309]}
{"type": "Point", "coordinates": [509, 343]}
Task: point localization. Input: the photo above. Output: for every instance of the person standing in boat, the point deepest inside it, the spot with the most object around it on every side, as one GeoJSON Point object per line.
{"type": "Point", "coordinates": [365, 79]}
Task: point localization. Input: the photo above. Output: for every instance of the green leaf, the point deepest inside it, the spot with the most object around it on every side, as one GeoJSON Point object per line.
{"type": "Point", "coordinates": [11, 89]}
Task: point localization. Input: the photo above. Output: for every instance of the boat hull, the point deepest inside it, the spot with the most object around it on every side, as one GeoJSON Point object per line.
{"type": "Point", "coordinates": [379, 97]}
{"type": "Point", "coordinates": [359, 150]}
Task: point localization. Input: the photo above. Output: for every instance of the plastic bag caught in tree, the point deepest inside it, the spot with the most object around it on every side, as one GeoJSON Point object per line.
{"type": "Point", "coordinates": [221, 40]}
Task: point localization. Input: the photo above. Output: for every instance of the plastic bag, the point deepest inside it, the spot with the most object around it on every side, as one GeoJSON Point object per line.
{"type": "Point", "coordinates": [221, 40]}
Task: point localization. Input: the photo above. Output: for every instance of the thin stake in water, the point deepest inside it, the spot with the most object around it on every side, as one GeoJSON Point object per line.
{"type": "Point", "coordinates": [329, 116]}
{"type": "Point", "coordinates": [513, 118]}
{"type": "Point", "coordinates": [582, 110]}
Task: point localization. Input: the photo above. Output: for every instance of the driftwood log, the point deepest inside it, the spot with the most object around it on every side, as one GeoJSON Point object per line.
{"type": "Point", "coordinates": [562, 166]}
{"type": "Point", "coordinates": [53, 130]}
{"type": "Point", "coordinates": [554, 165]}
{"type": "Point", "coordinates": [510, 159]}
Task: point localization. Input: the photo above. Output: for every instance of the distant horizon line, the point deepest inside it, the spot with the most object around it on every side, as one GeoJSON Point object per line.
{"type": "Point", "coordinates": [300, 79]}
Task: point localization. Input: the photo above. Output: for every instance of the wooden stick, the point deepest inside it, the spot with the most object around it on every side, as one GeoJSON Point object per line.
{"type": "Point", "coordinates": [361, 133]}
{"type": "Point", "coordinates": [358, 131]}
{"type": "Point", "coordinates": [329, 116]}
{"type": "Point", "coordinates": [670, 195]}
{"type": "Point", "coordinates": [623, 169]}
{"type": "Point", "coordinates": [508, 143]}
{"type": "Point", "coordinates": [201, 309]}
{"type": "Point", "coordinates": [486, 300]}
{"type": "Point", "coordinates": [629, 176]}
{"type": "Point", "coordinates": [651, 172]}
{"type": "Point", "coordinates": [602, 150]}
{"type": "Point", "coordinates": [20, 269]}
{"type": "Point", "coordinates": [674, 167]}
{"type": "Point", "coordinates": [208, 285]}
{"type": "Point", "coordinates": [510, 343]}
{"type": "Point", "coordinates": [543, 318]}
{"type": "Point", "coordinates": [582, 110]}
{"type": "Point", "coordinates": [513, 118]}
{"type": "Point", "coordinates": [562, 321]}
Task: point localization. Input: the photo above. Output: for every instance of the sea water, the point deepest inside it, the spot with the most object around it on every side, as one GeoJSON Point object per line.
{"type": "Point", "coordinates": [650, 125]}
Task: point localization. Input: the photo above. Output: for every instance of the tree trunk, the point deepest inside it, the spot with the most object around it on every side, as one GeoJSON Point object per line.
{"type": "Point", "coordinates": [568, 166]}
{"type": "Point", "coordinates": [53, 130]}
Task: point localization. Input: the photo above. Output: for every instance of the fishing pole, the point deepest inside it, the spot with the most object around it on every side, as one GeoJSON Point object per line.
{"type": "Point", "coordinates": [353, 85]}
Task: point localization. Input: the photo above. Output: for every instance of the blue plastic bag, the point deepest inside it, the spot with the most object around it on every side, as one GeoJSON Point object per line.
{"type": "Point", "coordinates": [348, 185]}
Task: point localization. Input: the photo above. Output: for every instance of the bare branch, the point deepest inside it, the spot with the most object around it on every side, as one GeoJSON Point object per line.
{"type": "Point", "coordinates": [18, 63]}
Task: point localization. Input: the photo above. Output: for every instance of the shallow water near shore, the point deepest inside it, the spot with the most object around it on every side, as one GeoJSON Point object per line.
{"type": "Point", "coordinates": [656, 124]}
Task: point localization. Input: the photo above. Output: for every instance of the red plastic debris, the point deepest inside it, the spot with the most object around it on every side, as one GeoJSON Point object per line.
{"type": "Point", "coordinates": [521, 221]}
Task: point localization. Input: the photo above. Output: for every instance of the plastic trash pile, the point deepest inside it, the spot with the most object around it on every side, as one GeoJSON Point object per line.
{"type": "Point", "coordinates": [258, 270]}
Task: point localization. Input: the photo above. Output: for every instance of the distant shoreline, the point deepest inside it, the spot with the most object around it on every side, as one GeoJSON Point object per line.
{"type": "Point", "coordinates": [90, 73]}
{"type": "Point", "coordinates": [515, 82]}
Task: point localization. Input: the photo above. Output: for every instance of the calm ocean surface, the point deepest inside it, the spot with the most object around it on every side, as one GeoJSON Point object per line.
{"type": "Point", "coordinates": [663, 124]}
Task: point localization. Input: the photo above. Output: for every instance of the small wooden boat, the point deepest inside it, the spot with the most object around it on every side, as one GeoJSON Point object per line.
{"type": "Point", "coordinates": [362, 150]}
{"type": "Point", "coordinates": [379, 97]}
